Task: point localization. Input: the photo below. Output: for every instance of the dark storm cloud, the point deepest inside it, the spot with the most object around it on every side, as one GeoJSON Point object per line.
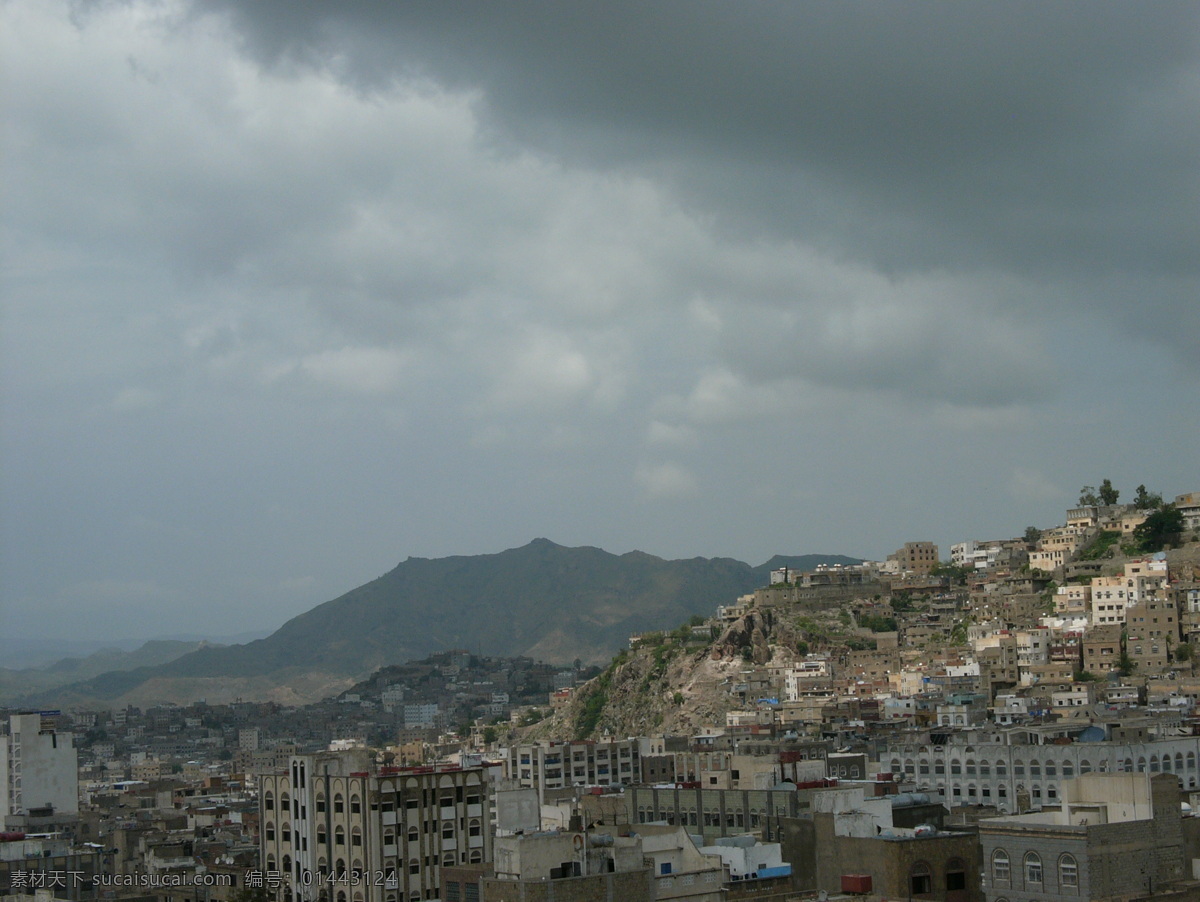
{"type": "Point", "coordinates": [1039, 136]}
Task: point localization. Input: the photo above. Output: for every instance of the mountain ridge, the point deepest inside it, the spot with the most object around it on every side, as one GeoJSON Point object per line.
{"type": "Point", "coordinates": [580, 602]}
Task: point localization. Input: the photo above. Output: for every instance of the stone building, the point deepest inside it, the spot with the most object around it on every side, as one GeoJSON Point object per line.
{"type": "Point", "coordinates": [1115, 836]}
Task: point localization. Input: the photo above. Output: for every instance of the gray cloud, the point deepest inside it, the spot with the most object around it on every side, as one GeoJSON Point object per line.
{"type": "Point", "coordinates": [312, 287]}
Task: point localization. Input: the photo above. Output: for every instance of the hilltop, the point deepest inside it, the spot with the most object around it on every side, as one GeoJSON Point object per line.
{"type": "Point", "coordinates": [542, 601]}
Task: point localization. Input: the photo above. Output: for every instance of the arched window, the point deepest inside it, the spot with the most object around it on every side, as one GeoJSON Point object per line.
{"type": "Point", "coordinates": [389, 838]}
{"type": "Point", "coordinates": [322, 836]}
{"type": "Point", "coordinates": [339, 804]}
{"type": "Point", "coordinates": [1000, 866]}
{"type": "Point", "coordinates": [1154, 764]}
{"type": "Point", "coordinates": [285, 802]}
{"type": "Point", "coordinates": [1001, 769]}
{"type": "Point", "coordinates": [321, 803]}
{"type": "Point", "coordinates": [341, 896]}
{"type": "Point", "coordinates": [414, 866]}
{"type": "Point", "coordinates": [1085, 766]}
{"type": "Point", "coordinates": [1035, 768]}
{"type": "Point", "coordinates": [920, 879]}
{"type": "Point", "coordinates": [476, 856]}
{"type": "Point", "coordinates": [1068, 870]}
{"type": "Point", "coordinates": [356, 837]}
{"type": "Point", "coordinates": [285, 832]}
{"type": "Point", "coordinates": [340, 868]}
{"type": "Point", "coordinates": [985, 769]}
{"type": "Point", "coordinates": [355, 804]}
{"type": "Point", "coordinates": [448, 860]}
{"type": "Point", "coordinates": [1068, 769]}
{"type": "Point", "coordinates": [413, 834]}
{"type": "Point", "coordinates": [286, 864]}
{"type": "Point", "coordinates": [1141, 765]}
{"type": "Point", "coordinates": [1051, 769]}
{"type": "Point", "coordinates": [269, 830]}
{"type": "Point", "coordinates": [956, 875]}
{"type": "Point", "coordinates": [339, 836]}
{"type": "Point", "coordinates": [448, 830]}
{"type": "Point", "coordinates": [269, 801]}
{"type": "Point", "coordinates": [1033, 867]}
{"type": "Point", "coordinates": [474, 828]}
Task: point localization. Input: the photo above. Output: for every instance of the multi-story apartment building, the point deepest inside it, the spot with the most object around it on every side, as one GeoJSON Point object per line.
{"type": "Point", "coordinates": [40, 772]}
{"type": "Point", "coordinates": [1189, 506]}
{"type": "Point", "coordinates": [1152, 627]}
{"type": "Point", "coordinates": [333, 825]}
{"type": "Point", "coordinates": [553, 766]}
{"type": "Point", "coordinates": [916, 557]}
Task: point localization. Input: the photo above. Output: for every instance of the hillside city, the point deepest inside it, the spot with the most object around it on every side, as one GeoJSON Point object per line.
{"type": "Point", "coordinates": [1009, 719]}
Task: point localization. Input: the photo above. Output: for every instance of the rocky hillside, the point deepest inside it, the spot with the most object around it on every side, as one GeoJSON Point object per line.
{"type": "Point", "coordinates": [676, 683]}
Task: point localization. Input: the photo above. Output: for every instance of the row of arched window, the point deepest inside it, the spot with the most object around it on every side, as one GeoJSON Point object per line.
{"type": "Point", "coordinates": [1032, 873]}
{"type": "Point", "coordinates": [1036, 768]}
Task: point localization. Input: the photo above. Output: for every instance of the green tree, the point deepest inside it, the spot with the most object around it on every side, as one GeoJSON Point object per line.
{"type": "Point", "coordinates": [1144, 500]}
{"type": "Point", "coordinates": [490, 735]}
{"type": "Point", "coordinates": [1125, 665]}
{"type": "Point", "coordinates": [677, 698]}
{"type": "Point", "coordinates": [1183, 651]}
{"type": "Point", "coordinates": [1161, 529]}
{"type": "Point", "coordinates": [1032, 534]}
{"type": "Point", "coordinates": [1108, 495]}
{"type": "Point", "coordinates": [1088, 497]}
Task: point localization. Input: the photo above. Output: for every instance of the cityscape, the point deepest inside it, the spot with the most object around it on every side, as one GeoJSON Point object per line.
{"type": "Point", "coordinates": [674, 451]}
{"type": "Point", "coordinates": [1017, 719]}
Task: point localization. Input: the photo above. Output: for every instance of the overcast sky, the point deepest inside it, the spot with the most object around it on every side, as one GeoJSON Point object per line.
{"type": "Point", "coordinates": [295, 290]}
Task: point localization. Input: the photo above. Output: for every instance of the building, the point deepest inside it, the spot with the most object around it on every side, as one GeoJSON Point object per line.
{"type": "Point", "coordinates": [1022, 767]}
{"type": "Point", "coordinates": [40, 770]}
{"type": "Point", "coordinates": [1115, 836]}
{"type": "Point", "coordinates": [892, 846]}
{"type": "Point", "coordinates": [330, 819]}
{"type": "Point", "coordinates": [917, 558]}
{"type": "Point", "coordinates": [552, 767]}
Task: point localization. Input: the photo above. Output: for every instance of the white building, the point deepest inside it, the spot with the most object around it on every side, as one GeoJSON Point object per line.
{"type": "Point", "coordinates": [40, 770]}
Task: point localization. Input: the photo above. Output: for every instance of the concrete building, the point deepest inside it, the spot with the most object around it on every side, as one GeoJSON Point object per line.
{"type": "Point", "coordinates": [330, 819]}
{"type": "Point", "coordinates": [40, 770]}
{"type": "Point", "coordinates": [1115, 836]}
{"type": "Point", "coordinates": [1027, 765]}
{"type": "Point", "coordinates": [551, 767]}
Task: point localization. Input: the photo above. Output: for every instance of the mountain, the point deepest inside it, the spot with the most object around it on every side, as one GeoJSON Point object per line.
{"type": "Point", "coordinates": [542, 600]}
{"type": "Point", "coordinates": [15, 683]}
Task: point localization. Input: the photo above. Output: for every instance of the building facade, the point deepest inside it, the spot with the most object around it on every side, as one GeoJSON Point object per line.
{"type": "Point", "coordinates": [334, 827]}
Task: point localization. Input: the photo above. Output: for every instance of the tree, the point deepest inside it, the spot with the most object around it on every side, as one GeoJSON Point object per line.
{"type": "Point", "coordinates": [1108, 495]}
{"type": "Point", "coordinates": [1144, 500]}
{"type": "Point", "coordinates": [1162, 528]}
{"type": "Point", "coordinates": [1183, 651]}
{"type": "Point", "coordinates": [1032, 534]}
{"type": "Point", "coordinates": [1087, 496]}
{"type": "Point", "coordinates": [490, 735]}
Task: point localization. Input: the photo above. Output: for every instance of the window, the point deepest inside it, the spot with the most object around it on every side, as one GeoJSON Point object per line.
{"type": "Point", "coordinates": [355, 805]}
{"type": "Point", "coordinates": [1068, 870]}
{"type": "Point", "coordinates": [321, 804]}
{"type": "Point", "coordinates": [1033, 867]}
{"type": "Point", "coordinates": [956, 875]}
{"type": "Point", "coordinates": [1000, 867]}
{"type": "Point", "coordinates": [339, 804]}
{"type": "Point", "coordinates": [920, 880]}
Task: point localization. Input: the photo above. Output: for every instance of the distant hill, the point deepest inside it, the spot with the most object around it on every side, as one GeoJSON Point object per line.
{"type": "Point", "coordinates": [18, 683]}
{"type": "Point", "coordinates": [542, 600]}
